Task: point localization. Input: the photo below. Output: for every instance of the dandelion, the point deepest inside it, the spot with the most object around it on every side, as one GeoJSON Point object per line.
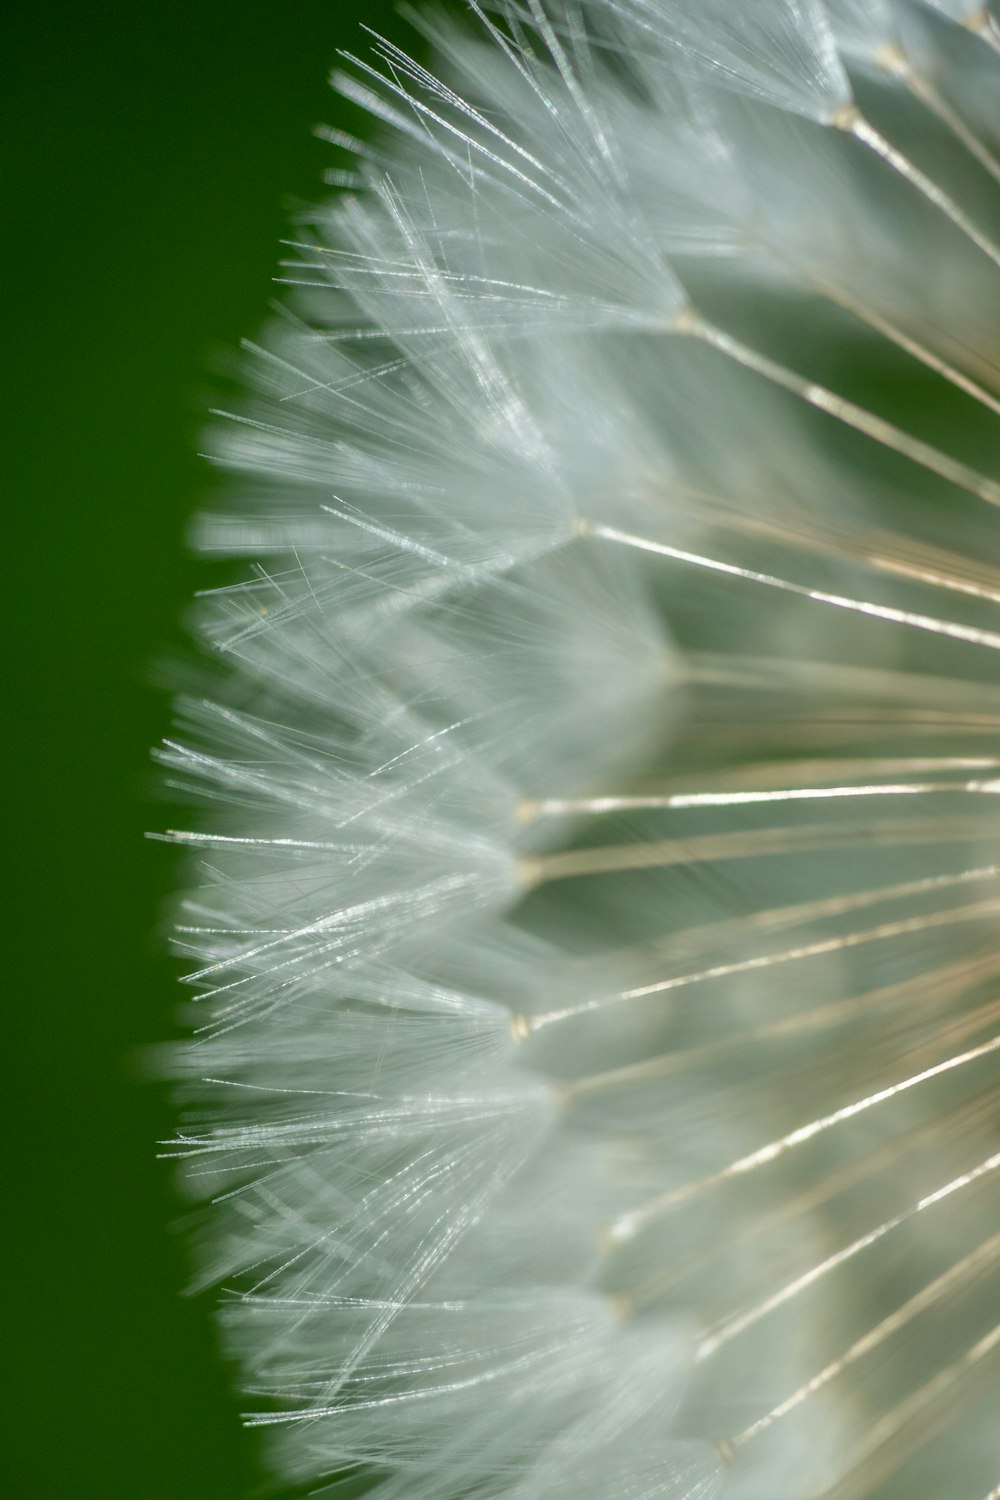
{"type": "Point", "coordinates": [595, 930]}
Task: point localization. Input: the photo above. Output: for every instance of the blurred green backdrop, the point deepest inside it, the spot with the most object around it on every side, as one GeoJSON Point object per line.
{"type": "Point", "coordinates": [149, 155]}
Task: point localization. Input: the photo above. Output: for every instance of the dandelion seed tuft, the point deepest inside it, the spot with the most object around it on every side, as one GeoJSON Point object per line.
{"type": "Point", "coordinates": [594, 907]}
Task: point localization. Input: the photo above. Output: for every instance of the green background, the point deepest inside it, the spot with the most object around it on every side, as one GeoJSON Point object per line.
{"type": "Point", "coordinates": [150, 154]}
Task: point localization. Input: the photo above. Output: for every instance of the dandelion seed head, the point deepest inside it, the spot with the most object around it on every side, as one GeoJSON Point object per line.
{"type": "Point", "coordinates": [593, 914]}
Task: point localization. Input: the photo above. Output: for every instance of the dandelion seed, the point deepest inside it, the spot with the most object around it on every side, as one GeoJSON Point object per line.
{"type": "Point", "coordinates": [593, 917]}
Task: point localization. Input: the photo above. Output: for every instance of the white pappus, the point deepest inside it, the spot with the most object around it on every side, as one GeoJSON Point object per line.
{"type": "Point", "coordinates": [594, 910]}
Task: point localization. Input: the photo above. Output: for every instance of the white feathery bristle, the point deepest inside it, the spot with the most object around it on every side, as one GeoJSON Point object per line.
{"type": "Point", "coordinates": [593, 914]}
{"type": "Point", "coordinates": [779, 51]}
{"type": "Point", "coordinates": [864, 30]}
